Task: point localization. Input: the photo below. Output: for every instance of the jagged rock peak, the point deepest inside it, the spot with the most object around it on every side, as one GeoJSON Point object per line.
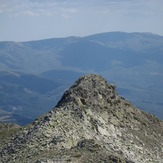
{"type": "Point", "coordinates": [89, 89]}
{"type": "Point", "coordinates": [89, 124]}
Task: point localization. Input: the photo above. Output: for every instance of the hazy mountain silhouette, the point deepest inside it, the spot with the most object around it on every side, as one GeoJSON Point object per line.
{"type": "Point", "coordinates": [133, 61]}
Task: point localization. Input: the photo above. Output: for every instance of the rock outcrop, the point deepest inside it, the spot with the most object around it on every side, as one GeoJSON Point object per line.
{"type": "Point", "coordinates": [90, 123]}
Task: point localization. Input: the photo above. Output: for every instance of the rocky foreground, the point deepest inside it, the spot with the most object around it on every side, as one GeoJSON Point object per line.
{"type": "Point", "coordinates": [91, 123]}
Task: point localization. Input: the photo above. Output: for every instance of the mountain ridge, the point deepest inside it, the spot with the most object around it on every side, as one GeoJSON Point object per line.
{"type": "Point", "coordinates": [90, 123]}
{"type": "Point", "coordinates": [132, 60]}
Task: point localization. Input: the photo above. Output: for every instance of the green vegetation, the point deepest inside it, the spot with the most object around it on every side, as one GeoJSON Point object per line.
{"type": "Point", "coordinates": [6, 130]}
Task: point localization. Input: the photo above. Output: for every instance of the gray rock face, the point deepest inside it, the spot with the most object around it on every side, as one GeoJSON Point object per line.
{"type": "Point", "coordinates": [90, 123]}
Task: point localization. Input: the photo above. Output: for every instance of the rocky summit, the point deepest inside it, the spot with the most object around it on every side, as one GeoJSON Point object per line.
{"type": "Point", "coordinates": [90, 123]}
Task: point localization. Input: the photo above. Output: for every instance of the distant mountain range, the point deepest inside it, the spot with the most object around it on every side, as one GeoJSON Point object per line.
{"type": "Point", "coordinates": [23, 97]}
{"type": "Point", "coordinates": [133, 61]}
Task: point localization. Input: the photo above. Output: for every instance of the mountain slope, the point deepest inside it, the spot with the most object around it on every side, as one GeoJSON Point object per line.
{"type": "Point", "coordinates": [136, 41]}
{"type": "Point", "coordinates": [24, 97]}
{"type": "Point", "coordinates": [132, 60]}
{"type": "Point", "coordinates": [6, 130]}
{"type": "Point", "coordinates": [61, 76]}
{"type": "Point", "coordinates": [90, 123]}
{"type": "Point", "coordinates": [126, 48]}
{"type": "Point", "coordinates": [19, 57]}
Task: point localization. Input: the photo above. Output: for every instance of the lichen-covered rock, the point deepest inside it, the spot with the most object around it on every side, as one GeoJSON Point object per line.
{"type": "Point", "coordinates": [90, 123]}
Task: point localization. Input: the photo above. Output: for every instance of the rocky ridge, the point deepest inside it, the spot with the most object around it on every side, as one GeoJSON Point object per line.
{"type": "Point", "coordinates": [90, 123]}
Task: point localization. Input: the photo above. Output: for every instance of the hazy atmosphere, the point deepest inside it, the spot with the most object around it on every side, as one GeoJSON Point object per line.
{"type": "Point", "coordinates": [24, 20]}
{"type": "Point", "coordinates": [81, 81]}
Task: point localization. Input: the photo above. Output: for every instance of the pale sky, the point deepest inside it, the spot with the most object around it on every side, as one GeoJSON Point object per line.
{"type": "Point", "coordinates": [25, 20]}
